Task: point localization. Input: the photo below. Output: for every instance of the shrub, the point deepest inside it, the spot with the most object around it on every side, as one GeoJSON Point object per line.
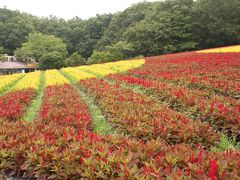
{"type": "Point", "coordinates": [51, 60]}
{"type": "Point", "coordinates": [75, 60]}
{"type": "Point", "coordinates": [121, 50]}
{"type": "Point", "coordinates": [99, 57]}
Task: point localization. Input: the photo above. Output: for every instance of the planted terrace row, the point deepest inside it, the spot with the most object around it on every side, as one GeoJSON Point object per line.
{"type": "Point", "coordinates": [21, 96]}
{"type": "Point", "coordinates": [13, 105]}
{"type": "Point", "coordinates": [25, 146]}
{"type": "Point", "coordinates": [222, 112]}
{"type": "Point", "coordinates": [63, 105]}
{"type": "Point", "coordinates": [60, 151]}
{"type": "Point", "coordinates": [7, 81]}
{"type": "Point", "coordinates": [217, 72]}
{"type": "Point", "coordinates": [58, 148]}
{"type": "Point", "coordinates": [144, 118]}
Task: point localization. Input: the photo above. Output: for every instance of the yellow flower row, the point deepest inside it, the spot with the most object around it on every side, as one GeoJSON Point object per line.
{"type": "Point", "coordinates": [30, 80]}
{"type": "Point", "coordinates": [97, 69]}
{"type": "Point", "coordinates": [113, 67]}
{"type": "Point", "coordinates": [81, 72]}
{"type": "Point", "coordinates": [78, 74]}
{"type": "Point", "coordinates": [222, 50]}
{"type": "Point", "coordinates": [5, 80]}
{"type": "Point", "coordinates": [121, 66]}
{"type": "Point", "coordinates": [54, 77]}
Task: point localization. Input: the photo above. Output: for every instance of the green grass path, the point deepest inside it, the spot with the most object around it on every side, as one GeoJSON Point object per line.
{"type": "Point", "coordinates": [100, 124]}
{"type": "Point", "coordinates": [34, 108]}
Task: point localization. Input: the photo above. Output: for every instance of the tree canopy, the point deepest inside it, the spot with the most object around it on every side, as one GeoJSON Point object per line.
{"type": "Point", "coordinates": [147, 28]}
{"type": "Point", "coordinates": [39, 44]}
{"type": "Point", "coordinates": [48, 50]}
{"type": "Point", "coordinates": [1, 54]}
{"type": "Point", "coordinates": [75, 60]}
{"type": "Point", "coordinates": [51, 60]}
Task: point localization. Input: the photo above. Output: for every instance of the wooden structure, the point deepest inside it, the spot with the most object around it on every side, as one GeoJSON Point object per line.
{"type": "Point", "coordinates": [11, 65]}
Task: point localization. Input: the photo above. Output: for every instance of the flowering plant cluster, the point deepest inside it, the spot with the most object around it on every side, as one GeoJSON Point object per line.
{"type": "Point", "coordinates": [53, 151]}
{"type": "Point", "coordinates": [222, 112]}
{"type": "Point", "coordinates": [77, 73]}
{"type": "Point", "coordinates": [92, 71]}
{"type": "Point", "coordinates": [165, 117]}
{"type": "Point", "coordinates": [144, 118]}
{"type": "Point", "coordinates": [6, 80]}
{"type": "Point", "coordinates": [30, 80]}
{"type": "Point", "coordinates": [113, 67]}
{"type": "Point", "coordinates": [14, 104]}
{"type": "Point", "coordinates": [222, 49]}
{"type": "Point", "coordinates": [62, 104]}
{"type": "Point", "coordinates": [53, 77]}
{"type": "Point", "coordinates": [218, 72]}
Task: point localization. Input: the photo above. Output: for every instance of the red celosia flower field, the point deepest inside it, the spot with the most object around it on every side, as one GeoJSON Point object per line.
{"type": "Point", "coordinates": [62, 105]}
{"type": "Point", "coordinates": [14, 104]}
{"type": "Point", "coordinates": [145, 119]}
{"type": "Point", "coordinates": [167, 118]}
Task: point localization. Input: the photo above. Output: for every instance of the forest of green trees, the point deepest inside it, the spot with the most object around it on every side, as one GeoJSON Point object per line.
{"type": "Point", "coordinates": [147, 28]}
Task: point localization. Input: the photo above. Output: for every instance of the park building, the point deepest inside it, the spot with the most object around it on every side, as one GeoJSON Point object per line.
{"type": "Point", "coordinates": [11, 65]}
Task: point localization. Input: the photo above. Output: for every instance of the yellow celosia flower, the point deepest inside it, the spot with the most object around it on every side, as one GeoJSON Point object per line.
{"type": "Point", "coordinates": [78, 74]}
{"type": "Point", "coordinates": [30, 80]}
{"type": "Point", "coordinates": [53, 77]}
{"type": "Point", "coordinates": [5, 80]}
{"type": "Point", "coordinates": [112, 67]}
{"type": "Point", "coordinates": [122, 66]}
{"type": "Point", "coordinates": [222, 50]}
{"type": "Point", "coordinates": [97, 69]}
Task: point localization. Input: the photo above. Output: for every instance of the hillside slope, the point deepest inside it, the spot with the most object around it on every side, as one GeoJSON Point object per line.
{"type": "Point", "coordinates": [174, 116]}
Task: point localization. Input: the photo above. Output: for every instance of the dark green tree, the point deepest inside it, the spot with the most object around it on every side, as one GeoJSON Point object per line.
{"type": "Point", "coordinates": [1, 54]}
{"type": "Point", "coordinates": [51, 60]}
{"type": "Point", "coordinates": [75, 60]}
{"type": "Point", "coordinates": [123, 21]}
{"type": "Point", "coordinates": [14, 29]}
{"type": "Point", "coordinates": [91, 32]}
{"type": "Point", "coordinates": [216, 22]}
{"type": "Point", "coordinates": [55, 26]}
{"type": "Point", "coordinates": [168, 28]}
{"type": "Point", "coordinates": [120, 50]}
{"type": "Point", "coordinates": [99, 57]}
{"type": "Point", "coordinates": [39, 44]}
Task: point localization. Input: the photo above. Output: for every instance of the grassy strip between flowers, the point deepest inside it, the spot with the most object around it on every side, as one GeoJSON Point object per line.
{"type": "Point", "coordinates": [100, 124]}
{"type": "Point", "coordinates": [225, 143]}
{"type": "Point", "coordinates": [33, 110]}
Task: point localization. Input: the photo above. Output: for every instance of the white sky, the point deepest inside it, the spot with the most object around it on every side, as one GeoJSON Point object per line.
{"type": "Point", "coordinates": [68, 8]}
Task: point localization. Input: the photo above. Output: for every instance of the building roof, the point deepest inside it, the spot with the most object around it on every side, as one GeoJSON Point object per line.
{"type": "Point", "coordinates": [17, 65]}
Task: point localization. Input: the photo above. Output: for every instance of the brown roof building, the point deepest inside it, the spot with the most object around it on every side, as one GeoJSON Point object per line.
{"type": "Point", "coordinates": [10, 67]}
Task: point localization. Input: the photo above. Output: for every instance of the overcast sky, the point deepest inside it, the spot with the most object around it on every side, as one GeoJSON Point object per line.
{"type": "Point", "coordinates": [68, 8]}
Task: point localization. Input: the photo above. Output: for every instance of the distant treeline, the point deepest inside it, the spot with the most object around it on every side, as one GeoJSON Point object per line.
{"type": "Point", "coordinates": [147, 28]}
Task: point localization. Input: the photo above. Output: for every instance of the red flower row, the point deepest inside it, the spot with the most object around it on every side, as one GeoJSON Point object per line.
{"type": "Point", "coordinates": [215, 71]}
{"type": "Point", "coordinates": [14, 104]}
{"type": "Point", "coordinates": [144, 118]}
{"type": "Point", "coordinates": [223, 112]}
{"type": "Point", "coordinates": [63, 105]}
{"type": "Point", "coordinates": [58, 148]}
{"type": "Point", "coordinates": [58, 151]}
